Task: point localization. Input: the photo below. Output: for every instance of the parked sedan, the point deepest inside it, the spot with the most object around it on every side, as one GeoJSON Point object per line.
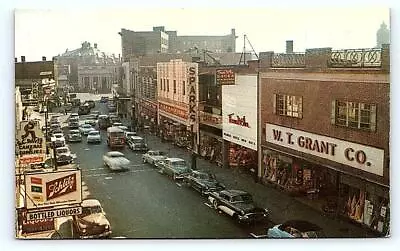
{"type": "Point", "coordinates": [63, 155]}
{"type": "Point", "coordinates": [176, 168]}
{"type": "Point", "coordinates": [116, 161]}
{"type": "Point", "coordinates": [94, 137]}
{"type": "Point", "coordinates": [86, 128]}
{"type": "Point", "coordinates": [237, 204]}
{"type": "Point", "coordinates": [203, 182]}
{"type": "Point", "coordinates": [74, 136]}
{"type": "Point", "coordinates": [153, 156]}
{"type": "Point", "coordinates": [295, 229]}
{"type": "Point", "coordinates": [92, 222]}
{"type": "Point", "coordinates": [58, 140]}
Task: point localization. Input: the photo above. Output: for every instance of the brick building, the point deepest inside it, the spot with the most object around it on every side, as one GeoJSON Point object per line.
{"type": "Point", "coordinates": [324, 130]}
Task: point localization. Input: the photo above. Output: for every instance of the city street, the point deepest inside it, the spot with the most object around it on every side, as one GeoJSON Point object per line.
{"type": "Point", "coordinates": [142, 203]}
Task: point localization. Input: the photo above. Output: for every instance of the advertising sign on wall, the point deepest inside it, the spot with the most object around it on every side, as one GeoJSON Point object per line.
{"type": "Point", "coordinates": [225, 76]}
{"type": "Point", "coordinates": [366, 158]}
{"type": "Point", "coordinates": [34, 226]}
{"type": "Point", "coordinates": [30, 143]}
{"type": "Point", "coordinates": [52, 189]}
{"type": "Point", "coordinates": [239, 111]}
{"type": "Point", "coordinates": [193, 80]}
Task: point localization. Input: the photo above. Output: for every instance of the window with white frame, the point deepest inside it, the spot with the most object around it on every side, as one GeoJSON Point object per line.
{"type": "Point", "coordinates": [288, 105]}
{"type": "Point", "coordinates": [354, 114]}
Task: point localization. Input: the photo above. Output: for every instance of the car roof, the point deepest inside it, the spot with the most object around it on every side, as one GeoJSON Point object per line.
{"type": "Point", "coordinates": [90, 203]}
{"type": "Point", "coordinates": [135, 137]}
{"type": "Point", "coordinates": [174, 159]}
{"type": "Point", "coordinates": [234, 192]}
{"type": "Point", "coordinates": [62, 147]}
{"type": "Point", "coordinates": [74, 131]}
{"type": "Point", "coordinates": [94, 131]}
{"type": "Point", "coordinates": [302, 225]}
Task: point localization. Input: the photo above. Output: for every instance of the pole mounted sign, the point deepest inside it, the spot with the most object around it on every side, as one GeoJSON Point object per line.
{"type": "Point", "coordinates": [30, 143]}
{"type": "Point", "coordinates": [193, 89]}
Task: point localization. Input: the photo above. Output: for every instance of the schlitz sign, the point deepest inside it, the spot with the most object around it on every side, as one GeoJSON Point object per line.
{"type": "Point", "coordinates": [53, 189]}
{"type": "Point", "coordinates": [366, 158]}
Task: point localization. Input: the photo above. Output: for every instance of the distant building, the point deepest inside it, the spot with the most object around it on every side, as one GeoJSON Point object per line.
{"type": "Point", "coordinates": [28, 73]}
{"type": "Point", "coordinates": [159, 40]}
{"type": "Point", "coordinates": [382, 35]}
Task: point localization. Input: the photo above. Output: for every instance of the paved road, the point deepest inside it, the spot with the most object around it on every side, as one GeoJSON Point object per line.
{"type": "Point", "coordinates": [142, 203]}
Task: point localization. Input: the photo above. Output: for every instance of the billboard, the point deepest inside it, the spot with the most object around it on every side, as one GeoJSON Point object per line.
{"type": "Point", "coordinates": [30, 142]}
{"type": "Point", "coordinates": [52, 189]}
{"type": "Point", "coordinates": [366, 158]}
{"type": "Point", "coordinates": [225, 77]}
{"type": "Point", "coordinates": [239, 111]}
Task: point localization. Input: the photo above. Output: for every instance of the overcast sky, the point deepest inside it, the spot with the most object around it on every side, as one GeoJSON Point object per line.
{"type": "Point", "coordinates": [50, 32]}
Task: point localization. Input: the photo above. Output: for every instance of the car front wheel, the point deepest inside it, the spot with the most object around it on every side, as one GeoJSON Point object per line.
{"type": "Point", "coordinates": [215, 204]}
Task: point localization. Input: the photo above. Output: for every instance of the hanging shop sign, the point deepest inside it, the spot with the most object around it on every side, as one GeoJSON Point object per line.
{"type": "Point", "coordinates": [52, 189]}
{"type": "Point", "coordinates": [53, 213]}
{"type": "Point", "coordinates": [193, 87]}
{"type": "Point", "coordinates": [225, 76]}
{"type": "Point", "coordinates": [366, 158]}
{"type": "Point", "coordinates": [34, 226]}
{"type": "Point", "coordinates": [30, 142]}
{"type": "Point", "coordinates": [239, 111]}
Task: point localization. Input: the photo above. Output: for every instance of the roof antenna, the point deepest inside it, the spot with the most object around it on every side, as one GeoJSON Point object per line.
{"type": "Point", "coordinates": [243, 55]}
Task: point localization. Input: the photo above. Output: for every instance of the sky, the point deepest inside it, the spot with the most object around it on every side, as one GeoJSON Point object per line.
{"type": "Point", "coordinates": [41, 32]}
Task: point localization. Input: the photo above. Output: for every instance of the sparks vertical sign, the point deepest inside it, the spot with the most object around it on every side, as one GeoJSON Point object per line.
{"type": "Point", "coordinates": [193, 90]}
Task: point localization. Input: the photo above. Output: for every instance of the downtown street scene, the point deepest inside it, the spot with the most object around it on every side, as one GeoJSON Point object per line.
{"type": "Point", "coordinates": [181, 136]}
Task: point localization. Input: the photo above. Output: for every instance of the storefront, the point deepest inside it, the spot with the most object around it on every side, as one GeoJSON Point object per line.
{"type": "Point", "coordinates": [326, 171]}
{"type": "Point", "coordinates": [173, 125]}
{"type": "Point", "coordinates": [210, 137]}
{"type": "Point", "coordinates": [148, 115]}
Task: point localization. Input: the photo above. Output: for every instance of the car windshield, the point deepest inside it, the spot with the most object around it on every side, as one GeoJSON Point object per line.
{"type": "Point", "coordinates": [91, 210]}
{"type": "Point", "coordinates": [246, 198]}
{"type": "Point", "coordinates": [62, 150]}
{"type": "Point", "coordinates": [94, 133]}
{"type": "Point", "coordinates": [159, 153]}
{"type": "Point", "coordinates": [137, 141]}
{"type": "Point", "coordinates": [58, 135]}
{"type": "Point", "coordinates": [181, 164]}
{"type": "Point", "coordinates": [205, 176]}
{"type": "Point", "coordinates": [86, 126]}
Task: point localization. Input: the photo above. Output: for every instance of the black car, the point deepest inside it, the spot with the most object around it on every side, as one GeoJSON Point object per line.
{"type": "Point", "coordinates": [104, 99]}
{"type": "Point", "coordinates": [91, 103]}
{"type": "Point", "coordinates": [237, 204]}
{"type": "Point", "coordinates": [84, 109]}
{"type": "Point", "coordinates": [203, 182]}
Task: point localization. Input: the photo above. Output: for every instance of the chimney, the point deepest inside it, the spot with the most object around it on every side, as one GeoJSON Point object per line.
{"type": "Point", "coordinates": [43, 58]}
{"type": "Point", "coordinates": [16, 60]}
{"type": "Point", "coordinates": [22, 58]}
{"type": "Point", "coordinates": [289, 46]}
{"type": "Point", "coordinates": [233, 32]}
{"type": "Point", "coordinates": [95, 45]}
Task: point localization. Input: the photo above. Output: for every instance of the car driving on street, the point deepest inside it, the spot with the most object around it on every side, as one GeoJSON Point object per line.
{"type": "Point", "coordinates": [136, 143]}
{"type": "Point", "coordinates": [116, 161]}
{"type": "Point", "coordinates": [175, 168]}
{"type": "Point", "coordinates": [93, 137]}
{"type": "Point", "coordinates": [86, 128]}
{"type": "Point", "coordinates": [153, 156]}
{"type": "Point", "coordinates": [74, 136]}
{"type": "Point", "coordinates": [203, 182]}
{"type": "Point", "coordinates": [57, 140]}
{"type": "Point", "coordinates": [63, 155]}
{"type": "Point", "coordinates": [237, 204]}
{"type": "Point", "coordinates": [92, 223]}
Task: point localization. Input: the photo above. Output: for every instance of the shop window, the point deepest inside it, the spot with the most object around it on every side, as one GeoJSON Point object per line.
{"type": "Point", "coordinates": [287, 105]}
{"type": "Point", "coordinates": [354, 115]}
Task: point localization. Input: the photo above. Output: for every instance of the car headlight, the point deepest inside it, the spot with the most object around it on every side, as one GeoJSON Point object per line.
{"type": "Point", "coordinates": [242, 212]}
{"type": "Point", "coordinates": [84, 230]}
{"type": "Point", "coordinates": [107, 227]}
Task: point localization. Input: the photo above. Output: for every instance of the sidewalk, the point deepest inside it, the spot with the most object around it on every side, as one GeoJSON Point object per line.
{"type": "Point", "coordinates": [281, 205]}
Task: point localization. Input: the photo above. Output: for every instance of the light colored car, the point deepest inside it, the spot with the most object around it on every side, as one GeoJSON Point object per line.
{"type": "Point", "coordinates": [176, 168]}
{"type": "Point", "coordinates": [136, 143]}
{"type": "Point", "coordinates": [64, 155]}
{"type": "Point", "coordinates": [92, 223]}
{"type": "Point", "coordinates": [74, 115]}
{"type": "Point", "coordinates": [86, 128]}
{"type": "Point", "coordinates": [129, 134]}
{"type": "Point", "coordinates": [94, 137]}
{"type": "Point", "coordinates": [153, 156]}
{"type": "Point", "coordinates": [116, 161]}
{"type": "Point", "coordinates": [58, 140]}
{"type": "Point", "coordinates": [295, 229]}
{"type": "Point", "coordinates": [74, 136]}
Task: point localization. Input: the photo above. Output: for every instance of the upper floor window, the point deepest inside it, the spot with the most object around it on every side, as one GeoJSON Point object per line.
{"type": "Point", "coordinates": [354, 115]}
{"type": "Point", "coordinates": [184, 88]}
{"type": "Point", "coordinates": [288, 105]}
{"type": "Point", "coordinates": [167, 85]}
{"type": "Point", "coordinates": [161, 84]}
{"type": "Point", "coordinates": [174, 86]}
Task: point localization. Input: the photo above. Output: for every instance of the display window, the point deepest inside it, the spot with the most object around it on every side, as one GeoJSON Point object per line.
{"type": "Point", "coordinates": [242, 157]}
{"type": "Point", "coordinates": [210, 148]}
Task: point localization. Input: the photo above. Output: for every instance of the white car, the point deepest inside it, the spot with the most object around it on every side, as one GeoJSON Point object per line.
{"type": "Point", "coordinates": [63, 155]}
{"type": "Point", "coordinates": [137, 143]}
{"type": "Point", "coordinates": [153, 156]}
{"type": "Point", "coordinates": [86, 128]}
{"type": "Point", "coordinates": [58, 140]}
{"type": "Point", "coordinates": [116, 161]}
{"type": "Point", "coordinates": [129, 134]}
{"type": "Point", "coordinates": [94, 137]}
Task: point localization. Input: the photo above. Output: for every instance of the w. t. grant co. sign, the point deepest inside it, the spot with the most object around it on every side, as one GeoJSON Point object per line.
{"type": "Point", "coordinates": [366, 158]}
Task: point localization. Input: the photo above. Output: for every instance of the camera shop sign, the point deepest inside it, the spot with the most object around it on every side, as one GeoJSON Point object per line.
{"type": "Point", "coordinates": [53, 213]}
{"type": "Point", "coordinates": [366, 158]}
{"type": "Point", "coordinates": [53, 189]}
{"type": "Point", "coordinates": [30, 143]}
{"type": "Point", "coordinates": [193, 80]}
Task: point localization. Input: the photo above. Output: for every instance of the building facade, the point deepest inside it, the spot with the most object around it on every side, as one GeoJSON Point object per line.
{"type": "Point", "coordinates": [324, 130]}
